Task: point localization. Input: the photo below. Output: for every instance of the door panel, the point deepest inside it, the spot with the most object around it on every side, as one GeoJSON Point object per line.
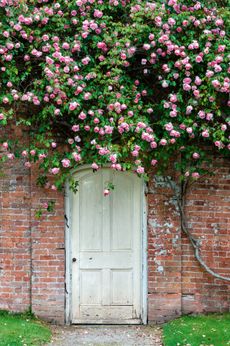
{"type": "Point", "coordinates": [121, 213]}
{"type": "Point", "coordinates": [119, 280]}
{"type": "Point", "coordinates": [90, 210]}
{"type": "Point", "coordinates": [90, 287]}
{"type": "Point", "coordinates": [106, 241]}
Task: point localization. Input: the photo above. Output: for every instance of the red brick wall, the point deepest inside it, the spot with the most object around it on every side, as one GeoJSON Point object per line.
{"type": "Point", "coordinates": [48, 256]}
{"type": "Point", "coordinates": [32, 255]}
{"type": "Point", "coordinates": [32, 251]}
{"type": "Point", "coordinates": [208, 212]}
{"type": "Point", "coordinates": [177, 283]}
{"type": "Point", "coordinates": [15, 263]}
{"type": "Point", "coordinates": [164, 255]}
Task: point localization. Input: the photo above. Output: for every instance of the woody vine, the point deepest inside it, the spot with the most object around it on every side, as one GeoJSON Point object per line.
{"type": "Point", "coordinates": [180, 195]}
{"type": "Point", "coordinates": [126, 83]}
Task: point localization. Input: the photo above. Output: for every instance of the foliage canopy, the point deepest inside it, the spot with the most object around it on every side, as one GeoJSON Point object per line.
{"type": "Point", "coordinates": [122, 82]}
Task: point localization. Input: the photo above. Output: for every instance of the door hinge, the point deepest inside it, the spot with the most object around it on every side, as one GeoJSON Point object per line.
{"type": "Point", "coordinates": [66, 289]}
{"type": "Point", "coordinates": [66, 221]}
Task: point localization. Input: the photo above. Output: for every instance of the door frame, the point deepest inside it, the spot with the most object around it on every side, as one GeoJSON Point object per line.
{"type": "Point", "coordinates": [68, 250]}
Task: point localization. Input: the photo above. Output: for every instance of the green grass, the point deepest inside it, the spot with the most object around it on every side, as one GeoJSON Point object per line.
{"type": "Point", "coordinates": [22, 330]}
{"type": "Point", "coordinates": [205, 330]}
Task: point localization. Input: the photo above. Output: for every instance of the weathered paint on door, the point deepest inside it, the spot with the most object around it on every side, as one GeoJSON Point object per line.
{"type": "Point", "coordinates": [106, 249]}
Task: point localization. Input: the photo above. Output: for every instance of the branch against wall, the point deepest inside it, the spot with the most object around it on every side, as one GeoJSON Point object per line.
{"type": "Point", "coordinates": [180, 194]}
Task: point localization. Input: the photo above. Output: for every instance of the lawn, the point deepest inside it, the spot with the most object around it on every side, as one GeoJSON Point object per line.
{"type": "Point", "coordinates": [22, 330]}
{"type": "Point", "coordinates": [205, 330]}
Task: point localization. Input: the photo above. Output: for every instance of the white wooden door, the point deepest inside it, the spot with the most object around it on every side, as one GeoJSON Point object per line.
{"type": "Point", "coordinates": [106, 249]}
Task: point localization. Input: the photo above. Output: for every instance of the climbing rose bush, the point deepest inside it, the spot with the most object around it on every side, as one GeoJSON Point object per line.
{"type": "Point", "coordinates": [127, 83]}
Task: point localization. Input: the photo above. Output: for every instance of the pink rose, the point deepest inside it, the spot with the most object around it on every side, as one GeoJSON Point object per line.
{"type": "Point", "coordinates": [41, 156]}
{"type": "Point", "coordinates": [65, 163]}
{"type": "Point", "coordinates": [173, 114]}
{"type": "Point", "coordinates": [154, 162]}
{"type": "Point", "coordinates": [173, 98]}
{"type": "Point", "coordinates": [195, 175]}
{"type": "Point", "coordinates": [65, 45]}
{"type": "Point", "coordinates": [140, 170]}
{"type": "Point", "coordinates": [45, 38]}
{"type": "Point", "coordinates": [98, 14]}
{"type": "Point", "coordinates": [164, 84]}
{"type": "Point", "coordinates": [198, 81]}
{"type": "Point", "coordinates": [189, 109]}
{"type": "Point", "coordinates": [135, 153]}
{"type": "Point", "coordinates": [205, 133]}
{"type": "Point", "coordinates": [209, 73]}
{"type": "Point", "coordinates": [32, 152]}
{"type": "Point", "coordinates": [186, 87]}
{"type": "Point", "coordinates": [118, 167]}
{"type": "Point", "coordinates": [196, 156]}
{"type": "Point", "coordinates": [10, 156]}
{"type": "Point", "coordinates": [45, 205]}
{"type": "Point", "coordinates": [113, 158]}
{"type": "Point", "coordinates": [82, 116]}
{"type": "Point", "coordinates": [94, 166]}
{"type": "Point", "coordinates": [75, 128]}
{"type": "Point", "coordinates": [55, 170]}
{"type": "Point", "coordinates": [153, 145]}
{"type": "Point", "coordinates": [27, 164]}
{"type": "Point", "coordinates": [73, 106]}
{"type": "Point", "coordinates": [201, 114]}
{"type": "Point", "coordinates": [49, 60]}
{"type": "Point", "coordinates": [218, 144]}
{"type": "Point", "coordinates": [106, 192]}
{"type": "Point", "coordinates": [168, 127]}
{"type": "Point", "coordinates": [76, 156]}
{"type": "Point", "coordinates": [216, 83]}
{"type": "Point", "coordinates": [196, 93]}
{"type": "Point", "coordinates": [189, 130]}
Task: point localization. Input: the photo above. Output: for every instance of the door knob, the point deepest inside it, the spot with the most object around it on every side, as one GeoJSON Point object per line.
{"type": "Point", "coordinates": [74, 259]}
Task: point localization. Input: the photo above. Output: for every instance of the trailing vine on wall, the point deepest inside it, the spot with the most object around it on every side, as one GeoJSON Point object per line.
{"type": "Point", "coordinates": [180, 195]}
